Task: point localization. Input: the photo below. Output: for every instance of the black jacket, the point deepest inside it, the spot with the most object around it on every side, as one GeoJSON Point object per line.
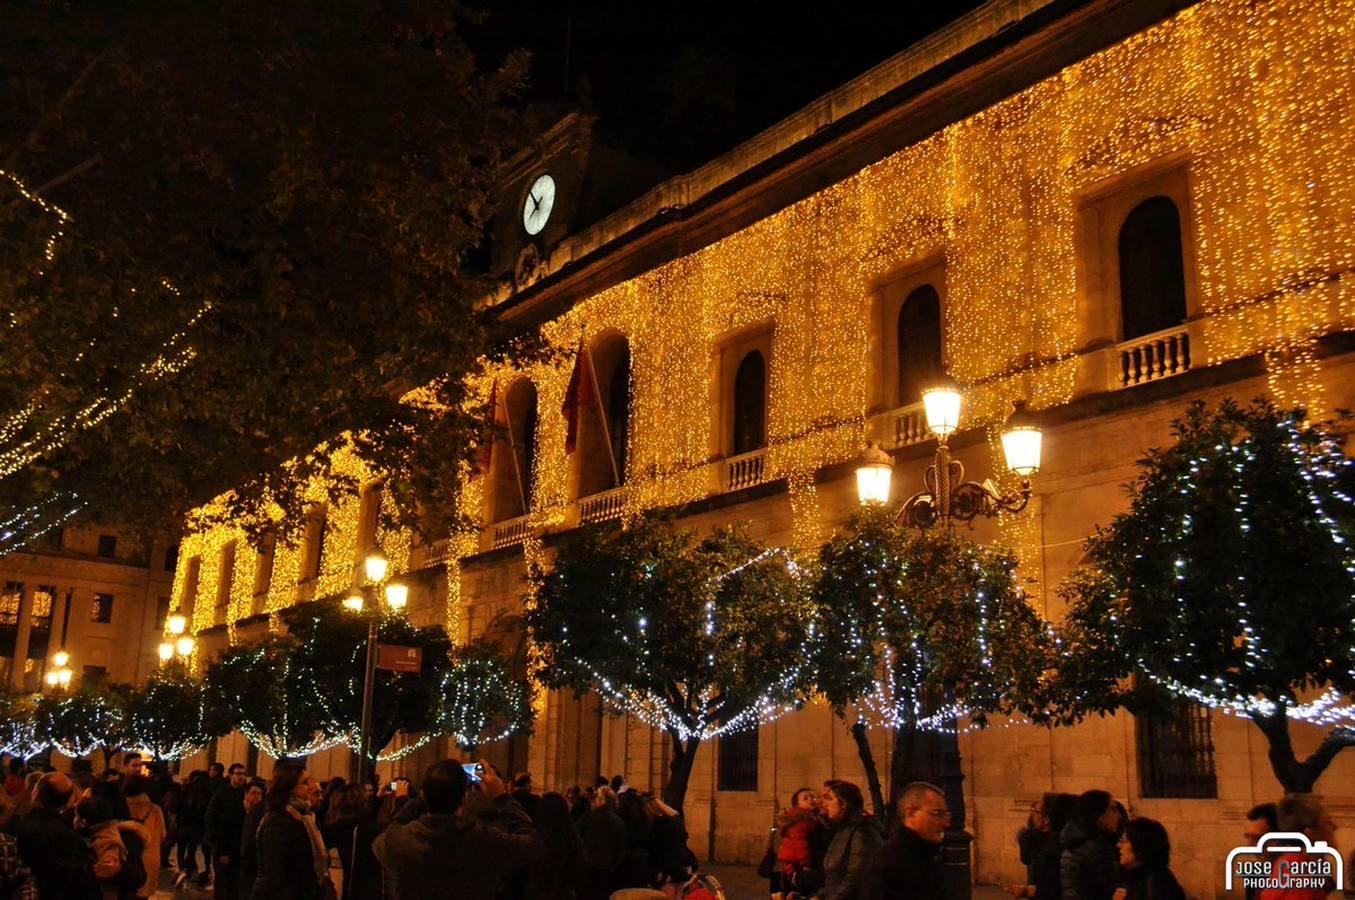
{"type": "Point", "coordinates": [225, 818]}
{"type": "Point", "coordinates": [1143, 883]}
{"type": "Point", "coordinates": [604, 839]}
{"type": "Point", "coordinates": [61, 860]}
{"type": "Point", "coordinates": [905, 868]}
{"type": "Point", "coordinates": [1089, 868]}
{"type": "Point", "coordinates": [286, 867]}
{"type": "Point", "coordinates": [361, 872]}
{"type": "Point", "coordinates": [249, 850]}
{"type": "Point", "coordinates": [844, 865]}
{"type": "Point", "coordinates": [1044, 872]}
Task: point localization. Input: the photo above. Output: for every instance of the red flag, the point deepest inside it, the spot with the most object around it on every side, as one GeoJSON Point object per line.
{"type": "Point", "coordinates": [496, 421]}
{"type": "Point", "coordinates": [580, 392]}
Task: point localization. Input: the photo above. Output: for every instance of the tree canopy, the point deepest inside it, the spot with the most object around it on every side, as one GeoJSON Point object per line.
{"type": "Point", "coordinates": [696, 636]}
{"type": "Point", "coordinates": [921, 628]}
{"type": "Point", "coordinates": [295, 190]}
{"type": "Point", "coordinates": [482, 700]}
{"type": "Point", "coordinates": [1229, 581]}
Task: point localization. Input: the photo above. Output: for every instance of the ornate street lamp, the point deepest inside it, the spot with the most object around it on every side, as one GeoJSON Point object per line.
{"type": "Point", "coordinates": [59, 677]}
{"type": "Point", "coordinates": [364, 601]}
{"type": "Point", "coordinates": [176, 624]}
{"type": "Point", "coordinates": [945, 499]}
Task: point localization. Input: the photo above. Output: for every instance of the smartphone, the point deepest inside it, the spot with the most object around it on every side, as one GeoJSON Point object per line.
{"type": "Point", "coordinates": [391, 786]}
{"type": "Point", "coordinates": [474, 771]}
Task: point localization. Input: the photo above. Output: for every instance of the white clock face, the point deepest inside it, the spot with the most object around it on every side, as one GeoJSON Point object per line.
{"type": "Point", "coordinates": [536, 208]}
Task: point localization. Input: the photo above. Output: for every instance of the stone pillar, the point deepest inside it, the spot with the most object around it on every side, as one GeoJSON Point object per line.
{"type": "Point", "coordinates": [58, 639]}
{"type": "Point", "coordinates": [16, 675]}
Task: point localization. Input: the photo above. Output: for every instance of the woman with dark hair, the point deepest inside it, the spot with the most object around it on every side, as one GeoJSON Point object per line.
{"type": "Point", "coordinates": [292, 861]}
{"type": "Point", "coordinates": [560, 874]}
{"type": "Point", "coordinates": [636, 869]}
{"type": "Point", "coordinates": [1043, 873]}
{"type": "Point", "coordinates": [1031, 838]}
{"type": "Point", "coordinates": [351, 826]}
{"type": "Point", "coordinates": [1145, 854]}
{"type": "Point", "coordinates": [1089, 867]}
{"type": "Point", "coordinates": [855, 837]}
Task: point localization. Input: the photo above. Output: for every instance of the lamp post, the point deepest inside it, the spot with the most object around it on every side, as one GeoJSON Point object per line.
{"type": "Point", "coordinates": [947, 498]}
{"type": "Point", "coordinates": [182, 646]}
{"type": "Point", "coordinates": [364, 601]}
{"type": "Point", "coordinates": [59, 678]}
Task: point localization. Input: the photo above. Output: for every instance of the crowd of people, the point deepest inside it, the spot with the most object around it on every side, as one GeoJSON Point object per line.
{"type": "Point", "coordinates": [462, 833]}
{"type": "Point", "coordinates": [465, 833]}
{"type": "Point", "coordinates": [826, 846]}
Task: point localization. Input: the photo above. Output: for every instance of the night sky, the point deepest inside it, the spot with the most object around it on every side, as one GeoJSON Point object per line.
{"type": "Point", "coordinates": [681, 83]}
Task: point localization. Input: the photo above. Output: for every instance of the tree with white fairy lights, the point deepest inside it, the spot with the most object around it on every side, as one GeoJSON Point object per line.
{"type": "Point", "coordinates": [695, 636]}
{"type": "Point", "coordinates": [166, 716]}
{"type": "Point", "coordinates": [482, 699]}
{"type": "Point", "coordinates": [1230, 581]}
{"type": "Point", "coordinates": [919, 629]}
{"type": "Point", "coordinates": [84, 721]}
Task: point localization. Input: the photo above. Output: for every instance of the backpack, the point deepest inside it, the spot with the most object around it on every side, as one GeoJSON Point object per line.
{"type": "Point", "coordinates": [133, 875]}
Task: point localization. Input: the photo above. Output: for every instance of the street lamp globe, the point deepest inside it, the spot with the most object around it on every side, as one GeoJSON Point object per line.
{"type": "Point", "coordinates": [941, 402]}
{"type": "Point", "coordinates": [63, 677]}
{"type": "Point", "coordinates": [375, 566]}
{"type": "Point", "coordinates": [166, 651]}
{"type": "Point", "coordinates": [185, 646]}
{"type": "Point", "coordinates": [53, 678]}
{"type": "Point", "coordinates": [1021, 441]}
{"type": "Point", "coordinates": [397, 595]}
{"type": "Point", "coordinates": [874, 470]}
{"type": "Point", "coordinates": [354, 601]}
{"type": "Point", "coordinates": [176, 623]}
{"type": "Point", "coordinates": [60, 658]}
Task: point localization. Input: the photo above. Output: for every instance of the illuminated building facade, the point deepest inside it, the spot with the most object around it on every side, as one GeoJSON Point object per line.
{"type": "Point", "coordinates": [1108, 209]}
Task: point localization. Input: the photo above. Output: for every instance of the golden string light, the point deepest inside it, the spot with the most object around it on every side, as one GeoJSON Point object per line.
{"type": "Point", "coordinates": [1254, 104]}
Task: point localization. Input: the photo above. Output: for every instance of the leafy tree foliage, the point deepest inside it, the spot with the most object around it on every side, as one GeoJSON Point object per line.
{"type": "Point", "coordinates": [331, 649]}
{"type": "Point", "coordinates": [483, 700]}
{"type": "Point", "coordinates": [88, 719]}
{"type": "Point", "coordinates": [320, 174]}
{"type": "Point", "coordinates": [919, 627]}
{"type": "Point", "coordinates": [165, 716]}
{"type": "Point", "coordinates": [1230, 580]}
{"type": "Point", "coordinates": [693, 635]}
{"type": "Point", "coordinates": [276, 701]}
{"type": "Point", "coordinates": [20, 727]}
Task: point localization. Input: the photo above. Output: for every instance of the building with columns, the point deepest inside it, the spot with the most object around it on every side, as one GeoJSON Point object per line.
{"type": "Point", "coordinates": [1106, 208]}
{"type": "Point", "coordinates": [95, 592]}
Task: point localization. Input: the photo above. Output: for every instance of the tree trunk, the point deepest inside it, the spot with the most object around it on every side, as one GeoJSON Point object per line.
{"type": "Point", "coordinates": [862, 738]}
{"type": "Point", "coordinates": [1294, 776]}
{"type": "Point", "coordinates": [680, 770]}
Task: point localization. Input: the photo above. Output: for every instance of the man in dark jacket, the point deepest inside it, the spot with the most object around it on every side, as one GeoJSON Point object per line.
{"type": "Point", "coordinates": [61, 860]}
{"type": "Point", "coordinates": [443, 854]}
{"type": "Point", "coordinates": [604, 844]}
{"type": "Point", "coordinates": [225, 818]}
{"type": "Point", "coordinates": [249, 836]}
{"type": "Point", "coordinates": [906, 866]}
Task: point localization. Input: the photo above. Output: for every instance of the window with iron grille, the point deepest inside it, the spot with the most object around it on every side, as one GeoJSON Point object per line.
{"type": "Point", "coordinates": [738, 760]}
{"type": "Point", "coordinates": [1176, 752]}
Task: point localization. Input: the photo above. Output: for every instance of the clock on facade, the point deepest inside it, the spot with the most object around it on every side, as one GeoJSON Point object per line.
{"type": "Point", "coordinates": [536, 208]}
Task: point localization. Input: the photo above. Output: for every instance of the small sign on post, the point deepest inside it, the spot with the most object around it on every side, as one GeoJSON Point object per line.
{"type": "Point", "coordinates": [394, 658]}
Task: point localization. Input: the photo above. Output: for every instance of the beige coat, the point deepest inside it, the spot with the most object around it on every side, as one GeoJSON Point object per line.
{"type": "Point", "coordinates": [110, 852]}
{"type": "Point", "coordinates": [149, 816]}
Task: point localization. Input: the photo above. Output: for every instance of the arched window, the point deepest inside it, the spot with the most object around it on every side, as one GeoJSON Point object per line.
{"type": "Point", "coordinates": [515, 453]}
{"type": "Point", "coordinates": [919, 343]}
{"type": "Point", "coordinates": [601, 452]}
{"type": "Point", "coordinates": [750, 404]}
{"type": "Point", "coordinates": [1152, 269]}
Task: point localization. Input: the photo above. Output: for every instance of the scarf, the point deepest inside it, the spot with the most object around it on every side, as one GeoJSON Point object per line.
{"type": "Point", "coordinates": [319, 855]}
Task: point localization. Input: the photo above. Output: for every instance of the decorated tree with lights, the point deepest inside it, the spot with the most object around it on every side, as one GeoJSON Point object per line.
{"type": "Point", "coordinates": [273, 697]}
{"type": "Point", "coordinates": [1230, 581]}
{"type": "Point", "coordinates": [342, 203]}
{"type": "Point", "coordinates": [21, 726]}
{"type": "Point", "coordinates": [483, 699]}
{"type": "Point", "coordinates": [165, 716]}
{"type": "Point", "coordinates": [89, 719]}
{"type": "Point", "coordinates": [695, 636]}
{"type": "Point", "coordinates": [919, 629]}
{"type": "Point", "coordinates": [330, 648]}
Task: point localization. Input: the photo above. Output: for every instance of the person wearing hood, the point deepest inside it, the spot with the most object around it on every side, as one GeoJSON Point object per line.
{"type": "Point", "coordinates": [118, 847]}
{"type": "Point", "coordinates": [906, 866]}
{"type": "Point", "coordinates": [1089, 865]}
{"type": "Point", "coordinates": [148, 816]}
{"type": "Point", "coordinates": [444, 854]}
{"type": "Point", "coordinates": [856, 837]}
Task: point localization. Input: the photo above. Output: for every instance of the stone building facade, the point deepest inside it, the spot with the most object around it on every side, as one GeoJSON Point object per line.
{"type": "Point", "coordinates": [1108, 209]}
